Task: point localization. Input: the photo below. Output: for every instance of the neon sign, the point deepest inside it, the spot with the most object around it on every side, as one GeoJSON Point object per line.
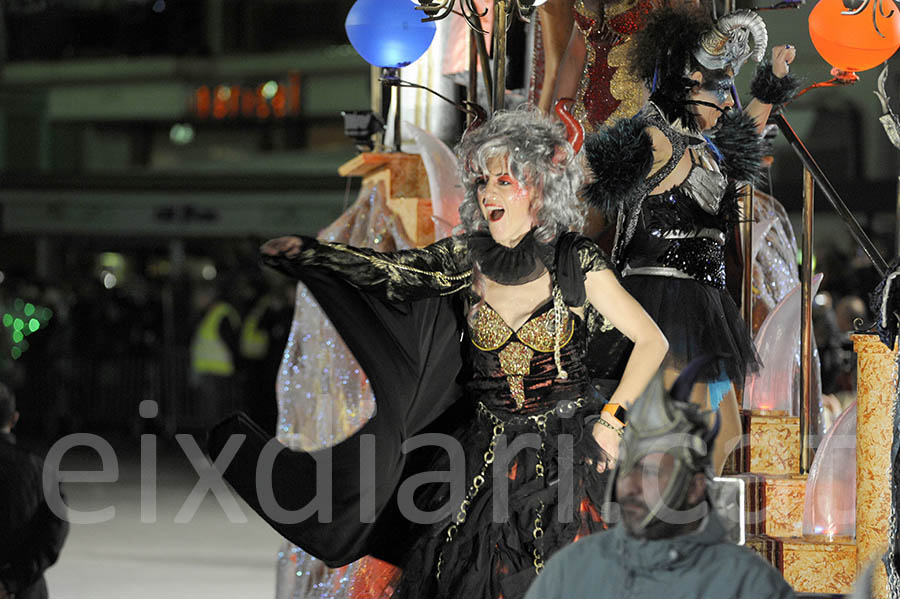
{"type": "Point", "coordinates": [269, 100]}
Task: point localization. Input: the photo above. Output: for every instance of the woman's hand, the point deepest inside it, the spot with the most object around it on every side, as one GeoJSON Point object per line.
{"type": "Point", "coordinates": [782, 57]}
{"type": "Point", "coordinates": [286, 246]}
{"type": "Point", "coordinates": [608, 439]}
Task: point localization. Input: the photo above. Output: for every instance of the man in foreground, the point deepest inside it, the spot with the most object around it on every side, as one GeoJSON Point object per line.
{"type": "Point", "coordinates": [669, 542]}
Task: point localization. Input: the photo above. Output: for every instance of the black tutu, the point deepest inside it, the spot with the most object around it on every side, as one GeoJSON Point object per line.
{"type": "Point", "coordinates": [697, 320]}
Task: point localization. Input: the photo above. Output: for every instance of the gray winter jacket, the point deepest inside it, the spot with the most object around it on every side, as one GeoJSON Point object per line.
{"type": "Point", "coordinates": [697, 565]}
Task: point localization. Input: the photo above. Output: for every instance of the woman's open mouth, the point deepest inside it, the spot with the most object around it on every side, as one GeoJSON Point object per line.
{"type": "Point", "coordinates": [495, 213]}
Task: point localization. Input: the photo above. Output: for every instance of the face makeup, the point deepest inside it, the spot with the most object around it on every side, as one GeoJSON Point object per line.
{"type": "Point", "coordinates": [505, 203]}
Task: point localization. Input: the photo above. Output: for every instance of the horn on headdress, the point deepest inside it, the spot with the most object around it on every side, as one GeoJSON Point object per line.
{"type": "Point", "coordinates": [681, 388]}
{"type": "Point", "coordinates": [480, 115]}
{"type": "Point", "coordinates": [727, 44]}
{"type": "Point", "coordinates": [751, 21]}
{"type": "Point", "coordinates": [574, 130]}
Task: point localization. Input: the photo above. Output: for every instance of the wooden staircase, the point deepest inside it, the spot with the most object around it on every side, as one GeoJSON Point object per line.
{"type": "Point", "coordinates": [768, 464]}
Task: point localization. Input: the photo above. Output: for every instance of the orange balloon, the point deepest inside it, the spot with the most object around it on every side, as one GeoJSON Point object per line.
{"type": "Point", "coordinates": [850, 42]}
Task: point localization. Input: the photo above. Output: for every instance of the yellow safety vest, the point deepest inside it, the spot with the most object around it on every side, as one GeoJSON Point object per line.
{"type": "Point", "coordinates": [209, 353]}
{"type": "Point", "coordinates": [255, 341]}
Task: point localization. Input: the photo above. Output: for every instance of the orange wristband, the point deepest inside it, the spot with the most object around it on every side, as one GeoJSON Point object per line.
{"type": "Point", "coordinates": [616, 411]}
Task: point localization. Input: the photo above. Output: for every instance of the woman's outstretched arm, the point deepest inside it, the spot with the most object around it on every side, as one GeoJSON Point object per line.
{"type": "Point", "coordinates": [439, 269]}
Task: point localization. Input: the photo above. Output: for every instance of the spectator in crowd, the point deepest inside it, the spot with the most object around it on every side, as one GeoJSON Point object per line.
{"type": "Point", "coordinates": [31, 533]}
{"type": "Point", "coordinates": [669, 543]}
{"type": "Point", "coordinates": [264, 331]}
{"type": "Point", "coordinates": [215, 351]}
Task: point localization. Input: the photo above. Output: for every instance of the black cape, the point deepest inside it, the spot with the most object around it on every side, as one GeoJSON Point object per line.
{"type": "Point", "coordinates": [412, 356]}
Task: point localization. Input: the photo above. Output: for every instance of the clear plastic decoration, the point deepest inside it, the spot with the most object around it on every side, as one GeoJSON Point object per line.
{"type": "Point", "coordinates": [776, 387]}
{"type": "Point", "coordinates": [443, 179]}
{"type": "Point", "coordinates": [323, 394]}
{"type": "Point", "coordinates": [831, 488]}
{"type": "Point", "coordinates": [774, 251]}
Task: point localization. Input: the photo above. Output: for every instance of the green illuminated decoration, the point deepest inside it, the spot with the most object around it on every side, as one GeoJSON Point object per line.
{"type": "Point", "coordinates": [22, 320]}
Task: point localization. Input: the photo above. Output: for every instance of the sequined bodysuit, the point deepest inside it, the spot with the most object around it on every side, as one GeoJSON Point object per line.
{"type": "Point", "coordinates": [670, 249]}
{"type": "Point", "coordinates": [607, 91]}
{"type": "Point", "coordinates": [680, 232]}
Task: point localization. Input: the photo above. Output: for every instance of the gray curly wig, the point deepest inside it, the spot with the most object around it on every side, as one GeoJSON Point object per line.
{"type": "Point", "coordinates": [537, 153]}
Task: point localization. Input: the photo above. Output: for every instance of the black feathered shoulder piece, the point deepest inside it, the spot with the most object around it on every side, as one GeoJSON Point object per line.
{"type": "Point", "coordinates": [740, 146]}
{"type": "Point", "coordinates": [620, 158]}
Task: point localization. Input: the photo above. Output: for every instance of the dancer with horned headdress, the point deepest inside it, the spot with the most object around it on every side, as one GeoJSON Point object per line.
{"type": "Point", "coordinates": [672, 174]}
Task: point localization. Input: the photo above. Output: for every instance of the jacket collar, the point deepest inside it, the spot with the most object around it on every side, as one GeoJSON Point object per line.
{"type": "Point", "coordinates": [672, 553]}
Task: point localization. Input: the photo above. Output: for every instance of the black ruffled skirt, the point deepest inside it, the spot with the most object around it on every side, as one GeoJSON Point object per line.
{"type": "Point", "coordinates": [492, 553]}
{"type": "Point", "coordinates": [697, 320]}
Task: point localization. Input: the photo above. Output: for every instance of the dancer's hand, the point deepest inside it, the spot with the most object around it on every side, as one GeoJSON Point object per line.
{"type": "Point", "coordinates": [782, 57]}
{"type": "Point", "coordinates": [285, 246]}
{"type": "Point", "coordinates": [608, 439]}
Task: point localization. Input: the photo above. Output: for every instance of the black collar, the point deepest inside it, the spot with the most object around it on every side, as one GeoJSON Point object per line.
{"type": "Point", "coordinates": [517, 265]}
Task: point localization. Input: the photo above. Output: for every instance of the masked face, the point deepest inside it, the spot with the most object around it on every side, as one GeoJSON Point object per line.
{"type": "Point", "coordinates": [505, 203]}
{"type": "Point", "coordinates": [714, 91]}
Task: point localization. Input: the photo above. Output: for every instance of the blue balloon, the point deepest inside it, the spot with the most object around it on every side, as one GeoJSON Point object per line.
{"type": "Point", "coordinates": [388, 33]}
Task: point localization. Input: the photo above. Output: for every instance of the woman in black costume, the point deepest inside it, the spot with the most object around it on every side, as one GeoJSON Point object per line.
{"type": "Point", "coordinates": [672, 174]}
{"type": "Point", "coordinates": [524, 292]}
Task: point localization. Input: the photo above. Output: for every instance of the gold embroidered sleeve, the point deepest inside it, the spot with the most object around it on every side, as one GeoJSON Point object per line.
{"type": "Point", "coordinates": [591, 257]}
{"type": "Point", "coordinates": [439, 269]}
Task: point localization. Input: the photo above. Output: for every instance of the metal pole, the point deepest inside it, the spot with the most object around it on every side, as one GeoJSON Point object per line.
{"type": "Point", "coordinates": [806, 274]}
{"type": "Point", "coordinates": [472, 92]}
{"type": "Point", "coordinates": [398, 137]}
{"type": "Point", "coordinates": [379, 91]}
{"type": "Point", "coordinates": [500, 18]}
{"type": "Point", "coordinates": [747, 236]}
{"type": "Point", "coordinates": [385, 98]}
{"type": "Point", "coordinates": [825, 186]}
{"type": "Point", "coordinates": [481, 48]}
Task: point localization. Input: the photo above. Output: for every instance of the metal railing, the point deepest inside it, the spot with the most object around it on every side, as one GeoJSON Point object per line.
{"type": "Point", "coordinates": [813, 177]}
